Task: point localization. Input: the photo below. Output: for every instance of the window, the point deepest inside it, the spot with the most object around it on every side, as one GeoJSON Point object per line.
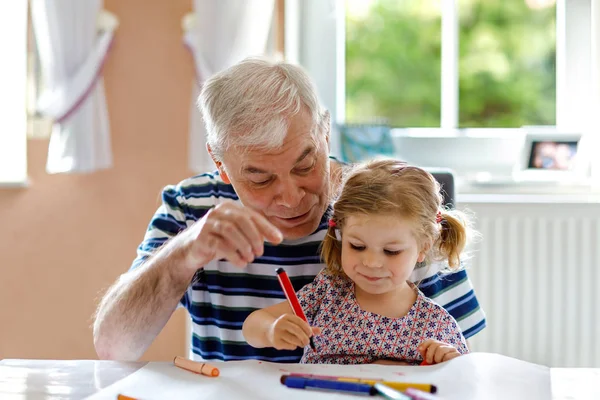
{"type": "Point", "coordinates": [439, 63]}
{"type": "Point", "coordinates": [401, 40]}
{"type": "Point", "coordinates": [473, 111]}
{"type": "Point", "coordinates": [507, 63]}
{"type": "Point", "coordinates": [13, 42]}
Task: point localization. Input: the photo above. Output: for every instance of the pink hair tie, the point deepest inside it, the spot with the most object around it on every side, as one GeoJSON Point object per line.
{"type": "Point", "coordinates": [438, 217]}
{"type": "Point", "coordinates": [331, 223]}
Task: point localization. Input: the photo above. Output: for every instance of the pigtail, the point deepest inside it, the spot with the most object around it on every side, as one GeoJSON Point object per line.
{"type": "Point", "coordinates": [331, 250]}
{"type": "Point", "coordinates": [453, 237]}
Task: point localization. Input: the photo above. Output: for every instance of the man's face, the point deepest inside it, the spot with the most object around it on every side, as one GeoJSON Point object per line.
{"type": "Point", "coordinates": [288, 185]}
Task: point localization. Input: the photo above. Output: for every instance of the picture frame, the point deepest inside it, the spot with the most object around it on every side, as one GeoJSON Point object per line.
{"type": "Point", "coordinates": [548, 155]}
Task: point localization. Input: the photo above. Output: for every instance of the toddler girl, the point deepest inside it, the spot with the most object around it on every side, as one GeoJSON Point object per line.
{"type": "Point", "coordinates": [362, 308]}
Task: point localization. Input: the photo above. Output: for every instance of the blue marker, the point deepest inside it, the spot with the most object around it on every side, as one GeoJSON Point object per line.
{"type": "Point", "coordinates": [299, 382]}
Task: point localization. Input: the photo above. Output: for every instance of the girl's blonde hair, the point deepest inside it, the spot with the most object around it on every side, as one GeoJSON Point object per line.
{"type": "Point", "coordinates": [392, 187]}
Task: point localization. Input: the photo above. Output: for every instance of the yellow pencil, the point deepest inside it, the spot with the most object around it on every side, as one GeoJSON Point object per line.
{"type": "Point", "coordinates": [401, 386]}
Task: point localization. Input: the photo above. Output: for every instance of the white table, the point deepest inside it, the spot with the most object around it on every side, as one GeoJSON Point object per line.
{"type": "Point", "coordinates": [76, 379]}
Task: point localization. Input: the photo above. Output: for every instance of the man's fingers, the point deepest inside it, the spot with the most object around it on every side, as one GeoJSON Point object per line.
{"type": "Point", "coordinates": [249, 229]}
{"type": "Point", "coordinates": [233, 232]}
{"type": "Point", "coordinates": [228, 252]}
{"type": "Point", "coordinates": [267, 229]}
{"type": "Point", "coordinates": [250, 223]}
{"type": "Point", "coordinates": [233, 238]}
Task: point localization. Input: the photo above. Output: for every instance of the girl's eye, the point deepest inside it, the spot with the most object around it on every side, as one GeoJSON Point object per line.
{"type": "Point", "coordinates": [392, 252]}
{"type": "Point", "coordinates": [356, 247]}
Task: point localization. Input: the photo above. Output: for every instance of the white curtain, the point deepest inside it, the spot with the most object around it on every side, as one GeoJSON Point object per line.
{"type": "Point", "coordinates": [73, 38]}
{"type": "Point", "coordinates": [219, 34]}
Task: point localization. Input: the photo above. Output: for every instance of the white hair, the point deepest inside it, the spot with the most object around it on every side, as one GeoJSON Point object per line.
{"type": "Point", "coordinates": [250, 103]}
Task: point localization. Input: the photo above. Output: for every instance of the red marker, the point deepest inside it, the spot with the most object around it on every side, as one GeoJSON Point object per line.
{"type": "Point", "coordinates": [290, 294]}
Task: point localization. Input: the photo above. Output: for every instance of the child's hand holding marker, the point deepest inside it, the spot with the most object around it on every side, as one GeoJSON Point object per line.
{"type": "Point", "coordinates": [289, 332]}
{"type": "Point", "coordinates": [434, 352]}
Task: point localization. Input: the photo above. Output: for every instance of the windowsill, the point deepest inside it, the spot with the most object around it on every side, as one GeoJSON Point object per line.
{"type": "Point", "coordinates": [439, 133]}
{"type": "Point", "coordinates": [528, 193]}
{"type": "Point", "coordinates": [489, 198]}
{"type": "Point", "coordinates": [484, 163]}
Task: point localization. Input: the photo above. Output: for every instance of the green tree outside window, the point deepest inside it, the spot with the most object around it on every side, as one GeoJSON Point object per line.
{"type": "Point", "coordinates": [507, 62]}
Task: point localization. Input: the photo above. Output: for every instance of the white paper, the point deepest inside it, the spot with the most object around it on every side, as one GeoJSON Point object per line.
{"type": "Point", "coordinates": [575, 383]}
{"type": "Point", "coordinates": [474, 376]}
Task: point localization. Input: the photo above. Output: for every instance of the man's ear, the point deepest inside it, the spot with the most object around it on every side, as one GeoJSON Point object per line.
{"type": "Point", "coordinates": [219, 165]}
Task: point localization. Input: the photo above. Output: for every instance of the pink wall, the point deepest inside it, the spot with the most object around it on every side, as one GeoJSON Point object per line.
{"type": "Point", "coordinates": [65, 238]}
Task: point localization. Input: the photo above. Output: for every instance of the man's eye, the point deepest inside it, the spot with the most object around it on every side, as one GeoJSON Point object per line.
{"type": "Point", "coordinates": [357, 247]}
{"type": "Point", "coordinates": [306, 169]}
{"type": "Point", "coordinates": [261, 183]}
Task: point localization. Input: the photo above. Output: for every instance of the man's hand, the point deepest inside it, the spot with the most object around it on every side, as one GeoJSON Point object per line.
{"type": "Point", "coordinates": [434, 351]}
{"type": "Point", "coordinates": [139, 304]}
{"type": "Point", "coordinates": [289, 332]}
{"type": "Point", "coordinates": [229, 231]}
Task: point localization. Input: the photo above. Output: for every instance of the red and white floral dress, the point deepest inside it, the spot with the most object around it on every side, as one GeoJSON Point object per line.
{"type": "Point", "coordinates": [351, 335]}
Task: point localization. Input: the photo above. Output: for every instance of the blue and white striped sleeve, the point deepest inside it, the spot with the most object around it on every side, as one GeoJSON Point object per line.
{"type": "Point", "coordinates": [181, 206]}
{"type": "Point", "coordinates": [453, 291]}
{"type": "Point", "coordinates": [167, 222]}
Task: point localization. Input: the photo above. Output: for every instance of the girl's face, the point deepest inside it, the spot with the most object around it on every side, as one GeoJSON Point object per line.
{"type": "Point", "coordinates": [379, 252]}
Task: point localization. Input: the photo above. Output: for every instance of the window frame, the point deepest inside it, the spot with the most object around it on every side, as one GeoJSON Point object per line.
{"type": "Point", "coordinates": [322, 28]}
{"type": "Point", "coordinates": [573, 51]}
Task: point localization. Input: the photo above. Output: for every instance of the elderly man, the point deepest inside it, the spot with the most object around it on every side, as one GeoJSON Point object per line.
{"type": "Point", "coordinates": [214, 244]}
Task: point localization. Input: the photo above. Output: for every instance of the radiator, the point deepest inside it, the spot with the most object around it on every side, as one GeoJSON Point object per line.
{"type": "Point", "coordinates": [536, 274]}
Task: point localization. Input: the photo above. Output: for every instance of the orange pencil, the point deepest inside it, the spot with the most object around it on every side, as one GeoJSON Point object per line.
{"type": "Point", "coordinates": [196, 367]}
{"type": "Point", "coordinates": [123, 397]}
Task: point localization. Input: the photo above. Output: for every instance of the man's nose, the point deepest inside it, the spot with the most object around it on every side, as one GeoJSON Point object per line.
{"type": "Point", "coordinates": [290, 194]}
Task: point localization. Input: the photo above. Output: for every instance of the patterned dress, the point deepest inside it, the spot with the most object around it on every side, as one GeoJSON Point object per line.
{"type": "Point", "coordinates": [351, 335]}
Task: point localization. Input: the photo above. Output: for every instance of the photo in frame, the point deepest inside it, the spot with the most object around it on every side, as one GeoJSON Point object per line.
{"type": "Point", "coordinates": [549, 156]}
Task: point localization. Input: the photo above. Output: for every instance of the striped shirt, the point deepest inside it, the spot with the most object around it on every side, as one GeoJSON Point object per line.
{"type": "Point", "coordinates": [221, 295]}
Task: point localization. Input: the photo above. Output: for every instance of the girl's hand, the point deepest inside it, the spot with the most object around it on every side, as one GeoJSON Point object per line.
{"type": "Point", "coordinates": [434, 351]}
{"type": "Point", "coordinates": [289, 332]}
